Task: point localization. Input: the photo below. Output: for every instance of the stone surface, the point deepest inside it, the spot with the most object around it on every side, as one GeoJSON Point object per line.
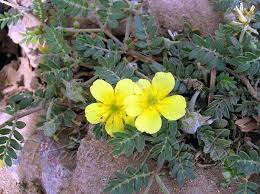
{"type": "Point", "coordinates": [14, 33]}
{"type": "Point", "coordinates": [171, 14]}
{"type": "Point", "coordinates": [96, 165]}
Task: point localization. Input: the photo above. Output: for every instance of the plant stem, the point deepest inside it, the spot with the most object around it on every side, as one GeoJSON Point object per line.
{"type": "Point", "coordinates": [127, 30]}
{"type": "Point", "coordinates": [91, 80]}
{"type": "Point", "coordinates": [74, 30]}
{"type": "Point", "coordinates": [213, 75]}
{"type": "Point", "coordinates": [246, 82]}
{"type": "Point", "coordinates": [161, 184]}
{"type": "Point", "coordinates": [21, 115]}
{"type": "Point", "coordinates": [151, 180]}
{"type": "Point", "coordinates": [138, 73]}
{"type": "Point", "coordinates": [193, 101]}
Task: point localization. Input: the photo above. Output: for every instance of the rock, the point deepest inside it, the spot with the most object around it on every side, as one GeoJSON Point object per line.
{"type": "Point", "coordinates": [14, 33]}
{"type": "Point", "coordinates": [171, 14]}
{"type": "Point", "coordinates": [46, 163]}
{"type": "Point", "coordinates": [95, 166]}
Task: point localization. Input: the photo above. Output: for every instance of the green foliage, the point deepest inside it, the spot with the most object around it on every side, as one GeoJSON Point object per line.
{"type": "Point", "coordinates": [181, 166]}
{"type": "Point", "coordinates": [73, 7]}
{"type": "Point", "coordinates": [164, 143]}
{"type": "Point", "coordinates": [223, 5]}
{"type": "Point", "coordinates": [19, 102]}
{"type": "Point", "coordinates": [240, 167]}
{"type": "Point", "coordinates": [216, 142]}
{"type": "Point", "coordinates": [38, 9]}
{"type": "Point", "coordinates": [225, 82]}
{"type": "Point", "coordinates": [95, 47]}
{"type": "Point", "coordinates": [248, 108]}
{"type": "Point", "coordinates": [208, 51]}
{"type": "Point", "coordinates": [248, 188]}
{"type": "Point", "coordinates": [129, 181]}
{"type": "Point", "coordinates": [56, 118]}
{"type": "Point", "coordinates": [146, 33]}
{"type": "Point", "coordinates": [9, 18]}
{"type": "Point", "coordinates": [74, 91]}
{"type": "Point", "coordinates": [111, 12]}
{"type": "Point", "coordinates": [72, 58]}
{"type": "Point", "coordinates": [53, 74]}
{"type": "Point", "coordinates": [127, 142]}
{"type": "Point", "coordinates": [245, 163]}
{"type": "Point", "coordinates": [34, 36]}
{"type": "Point", "coordinates": [56, 42]}
{"type": "Point", "coordinates": [221, 106]}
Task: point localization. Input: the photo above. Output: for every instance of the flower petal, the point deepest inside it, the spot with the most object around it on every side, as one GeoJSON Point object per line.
{"type": "Point", "coordinates": [163, 83]}
{"type": "Point", "coordinates": [102, 91]}
{"type": "Point", "coordinates": [114, 124]}
{"type": "Point", "coordinates": [133, 106]}
{"type": "Point", "coordinates": [149, 121]}
{"type": "Point", "coordinates": [96, 113]}
{"type": "Point", "coordinates": [129, 120]}
{"type": "Point", "coordinates": [124, 88]}
{"type": "Point", "coordinates": [141, 85]}
{"type": "Point", "coordinates": [173, 107]}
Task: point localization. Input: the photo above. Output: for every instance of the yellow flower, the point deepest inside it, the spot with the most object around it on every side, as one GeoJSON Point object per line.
{"type": "Point", "coordinates": [151, 100]}
{"type": "Point", "coordinates": [110, 108]}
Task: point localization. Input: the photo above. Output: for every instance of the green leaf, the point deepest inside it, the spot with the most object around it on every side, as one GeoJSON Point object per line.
{"type": "Point", "coordinates": [100, 132]}
{"type": "Point", "coordinates": [18, 136]}
{"type": "Point", "coordinates": [224, 82]}
{"type": "Point", "coordinates": [21, 101]}
{"type": "Point", "coordinates": [164, 143]}
{"type": "Point", "coordinates": [15, 144]}
{"type": "Point", "coordinates": [248, 163]}
{"type": "Point", "coordinates": [38, 9]}
{"type": "Point", "coordinates": [9, 18]}
{"type": "Point", "coordinates": [221, 106]}
{"type": "Point", "coordinates": [95, 48]}
{"type": "Point", "coordinates": [20, 124]}
{"type": "Point", "coordinates": [73, 7]}
{"type": "Point", "coordinates": [3, 140]}
{"type": "Point", "coordinates": [181, 166]}
{"type": "Point", "coordinates": [127, 142]}
{"type": "Point", "coordinates": [11, 153]}
{"type": "Point", "coordinates": [216, 142]}
{"type": "Point", "coordinates": [205, 52]}
{"type": "Point", "coordinates": [129, 181]}
{"type": "Point", "coordinates": [8, 160]}
{"type": "Point", "coordinates": [223, 5]}
{"type": "Point", "coordinates": [248, 188]}
{"type": "Point", "coordinates": [114, 73]}
{"type": "Point", "coordinates": [145, 32]}
{"type": "Point", "coordinates": [111, 12]}
{"type": "Point", "coordinates": [5, 131]}
{"type": "Point", "coordinates": [56, 42]}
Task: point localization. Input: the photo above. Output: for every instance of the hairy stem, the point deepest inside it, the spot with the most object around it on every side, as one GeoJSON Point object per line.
{"type": "Point", "coordinates": [74, 30]}
{"type": "Point", "coordinates": [21, 115]}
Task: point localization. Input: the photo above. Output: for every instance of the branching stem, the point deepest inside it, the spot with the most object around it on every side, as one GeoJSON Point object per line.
{"type": "Point", "coordinates": [21, 115]}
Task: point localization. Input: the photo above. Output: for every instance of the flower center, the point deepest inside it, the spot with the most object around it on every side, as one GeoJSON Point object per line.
{"type": "Point", "coordinates": [152, 100]}
{"type": "Point", "coordinates": [114, 108]}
